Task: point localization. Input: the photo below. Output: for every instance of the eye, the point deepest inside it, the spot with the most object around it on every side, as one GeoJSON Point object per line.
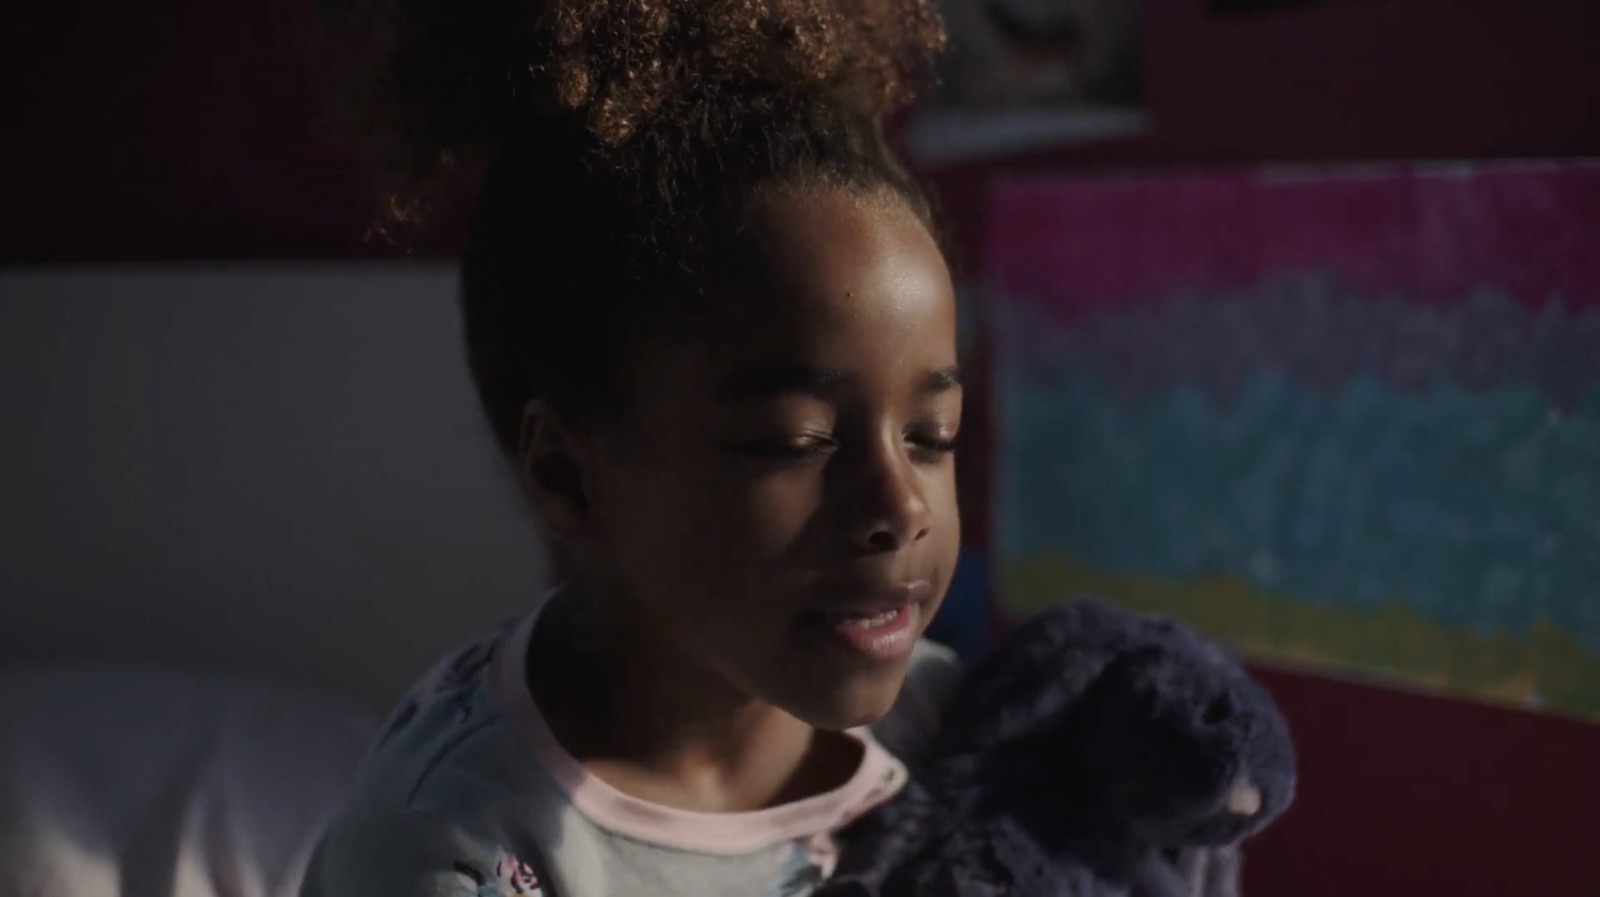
{"type": "Point", "coordinates": [932, 445]}
{"type": "Point", "coordinates": [803, 448]}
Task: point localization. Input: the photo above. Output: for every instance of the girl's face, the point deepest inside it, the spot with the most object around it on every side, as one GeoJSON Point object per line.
{"type": "Point", "coordinates": [779, 507]}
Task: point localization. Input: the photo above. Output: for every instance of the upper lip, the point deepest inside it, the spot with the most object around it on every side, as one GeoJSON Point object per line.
{"type": "Point", "coordinates": [874, 598]}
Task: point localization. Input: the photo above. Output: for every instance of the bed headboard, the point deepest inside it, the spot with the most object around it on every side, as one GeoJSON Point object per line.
{"type": "Point", "coordinates": [269, 469]}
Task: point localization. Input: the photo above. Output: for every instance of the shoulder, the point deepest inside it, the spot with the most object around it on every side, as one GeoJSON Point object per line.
{"type": "Point", "coordinates": [426, 812]}
{"type": "Point", "coordinates": [405, 852]}
{"type": "Point", "coordinates": [450, 702]}
{"type": "Point", "coordinates": [397, 852]}
{"type": "Point", "coordinates": [932, 680]}
{"type": "Point", "coordinates": [454, 681]}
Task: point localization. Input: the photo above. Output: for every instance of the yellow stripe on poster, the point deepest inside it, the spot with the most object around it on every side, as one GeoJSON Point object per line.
{"type": "Point", "coordinates": [1545, 668]}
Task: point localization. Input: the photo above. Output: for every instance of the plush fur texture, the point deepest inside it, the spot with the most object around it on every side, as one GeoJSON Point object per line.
{"type": "Point", "coordinates": [1095, 753]}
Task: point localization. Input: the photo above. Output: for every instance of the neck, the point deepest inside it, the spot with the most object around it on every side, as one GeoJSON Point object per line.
{"type": "Point", "coordinates": [658, 725]}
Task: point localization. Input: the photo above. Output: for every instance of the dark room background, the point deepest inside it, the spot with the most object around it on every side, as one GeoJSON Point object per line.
{"type": "Point", "coordinates": [165, 173]}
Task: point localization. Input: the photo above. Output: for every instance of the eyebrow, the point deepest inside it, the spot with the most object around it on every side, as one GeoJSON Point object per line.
{"type": "Point", "coordinates": [769, 381]}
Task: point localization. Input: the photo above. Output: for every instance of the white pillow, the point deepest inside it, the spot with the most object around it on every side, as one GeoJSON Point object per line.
{"type": "Point", "coordinates": [139, 782]}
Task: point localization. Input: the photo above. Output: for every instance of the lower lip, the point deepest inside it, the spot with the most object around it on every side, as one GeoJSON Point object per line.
{"type": "Point", "coordinates": [890, 639]}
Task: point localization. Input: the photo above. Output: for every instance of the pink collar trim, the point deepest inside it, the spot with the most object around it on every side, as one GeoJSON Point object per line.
{"type": "Point", "coordinates": [879, 777]}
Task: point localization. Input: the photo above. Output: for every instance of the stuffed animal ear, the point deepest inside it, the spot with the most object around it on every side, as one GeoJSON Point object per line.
{"type": "Point", "coordinates": [1038, 673]}
{"type": "Point", "coordinates": [1177, 747]}
{"type": "Point", "coordinates": [1232, 720]}
{"type": "Point", "coordinates": [1151, 732]}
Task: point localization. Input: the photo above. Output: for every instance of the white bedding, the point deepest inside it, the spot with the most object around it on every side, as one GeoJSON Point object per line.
{"type": "Point", "coordinates": [138, 782]}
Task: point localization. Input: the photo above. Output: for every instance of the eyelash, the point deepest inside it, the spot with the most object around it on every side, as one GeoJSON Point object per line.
{"type": "Point", "coordinates": [786, 450]}
{"type": "Point", "coordinates": [819, 447]}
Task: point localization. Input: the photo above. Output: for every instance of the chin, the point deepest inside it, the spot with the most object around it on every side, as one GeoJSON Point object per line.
{"type": "Point", "coordinates": [851, 702]}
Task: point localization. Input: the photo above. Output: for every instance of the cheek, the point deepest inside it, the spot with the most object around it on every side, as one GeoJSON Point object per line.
{"type": "Point", "coordinates": [717, 527]}
{"type": "Point", "coordinates": [776, 514]}
{"type": "Point", "coordinates": [945, 510]}
{"type": "Point", "coordinates": [752, 535]}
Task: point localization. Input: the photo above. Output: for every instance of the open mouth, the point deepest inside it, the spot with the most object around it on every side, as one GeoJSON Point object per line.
{"type": "Point", "coordinates": [866, 621]}
{"type": "Point", "coordinates": [879, 635]}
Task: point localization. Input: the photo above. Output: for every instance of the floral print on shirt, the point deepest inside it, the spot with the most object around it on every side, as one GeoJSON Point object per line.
{"type": "Point", "coordinates": [517, 877]}
{"type": "Point", "coordinates": [808, 865]}
{"type": "Point", "coordinates": [511, 877]}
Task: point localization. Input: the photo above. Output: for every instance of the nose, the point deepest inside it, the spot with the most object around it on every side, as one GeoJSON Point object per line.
{"type": "Point", "coordinates": [891, 510]}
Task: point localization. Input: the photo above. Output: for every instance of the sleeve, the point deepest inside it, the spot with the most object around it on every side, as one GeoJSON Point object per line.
{"type": "Point", "coordinates": [406, 853]}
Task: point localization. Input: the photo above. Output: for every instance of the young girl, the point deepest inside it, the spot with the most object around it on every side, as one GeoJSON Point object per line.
{"type": "Point", "coordinates": [709, 323]}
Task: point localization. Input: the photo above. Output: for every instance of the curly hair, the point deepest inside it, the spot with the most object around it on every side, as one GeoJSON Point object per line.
{"type": "Point", "coordinates": [615, 140]}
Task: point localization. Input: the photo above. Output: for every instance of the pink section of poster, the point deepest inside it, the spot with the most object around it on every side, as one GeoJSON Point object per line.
{"type": "Point", "coordinates": [1434, 232]}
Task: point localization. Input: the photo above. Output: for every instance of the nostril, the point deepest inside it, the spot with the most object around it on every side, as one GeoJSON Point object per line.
{"type": "Point", "coordinates": [882, 540]}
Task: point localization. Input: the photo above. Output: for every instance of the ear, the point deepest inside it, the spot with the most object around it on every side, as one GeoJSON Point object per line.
{"type": "Point", "coordinates": [551, 461]}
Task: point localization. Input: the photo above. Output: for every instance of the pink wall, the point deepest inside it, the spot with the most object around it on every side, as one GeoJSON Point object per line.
{"type": "Point", "coordinates": [165, 130]}
{"type": "Point", "coordinates": [1348, 80]}
{"type": "Point", "coordinates": [1408, 796]}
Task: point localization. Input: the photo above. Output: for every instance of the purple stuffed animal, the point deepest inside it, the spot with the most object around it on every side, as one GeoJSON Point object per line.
{"type": "Point", "coordinates": [1095, 753]}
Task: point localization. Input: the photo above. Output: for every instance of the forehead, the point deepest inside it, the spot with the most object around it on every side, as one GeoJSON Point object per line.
{"type": "Point", "coordinates": [829, 276]}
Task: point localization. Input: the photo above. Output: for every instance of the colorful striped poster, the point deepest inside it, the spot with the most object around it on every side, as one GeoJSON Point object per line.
{"type": "Point", "coordinates": [1347, 419]}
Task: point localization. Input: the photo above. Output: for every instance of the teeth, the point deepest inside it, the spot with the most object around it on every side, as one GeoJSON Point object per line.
{"type": "Point", "coordinates": [869, 622]}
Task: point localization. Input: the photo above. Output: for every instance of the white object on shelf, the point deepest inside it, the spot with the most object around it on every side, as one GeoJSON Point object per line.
{"type": "Point", "coordinates": [947, 135]}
